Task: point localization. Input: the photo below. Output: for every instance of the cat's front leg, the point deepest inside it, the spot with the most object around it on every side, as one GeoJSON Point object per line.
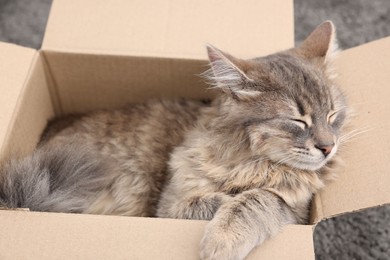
{"type": "Point", "coordinates": [201, 206]}
{"type": "Point", "coordinates": [243, 223]}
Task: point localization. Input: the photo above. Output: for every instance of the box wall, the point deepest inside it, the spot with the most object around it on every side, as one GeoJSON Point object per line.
{"type": "Point", "coordinates": [75, 236]}
{"type": "Point", "coordinates": [85, 82]}
{"type": "Point", "coordinates": [15, 64]}
{"type": "Point", "coordinates": [33, 109]}
{"type": "Point", "coordinates": [25, 102]}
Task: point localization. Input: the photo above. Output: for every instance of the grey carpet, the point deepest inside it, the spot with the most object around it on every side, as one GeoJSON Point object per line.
{"type": "Point", "coordinates": [361, 235]}
{"type": "Point", "coordinates": [23, 21]}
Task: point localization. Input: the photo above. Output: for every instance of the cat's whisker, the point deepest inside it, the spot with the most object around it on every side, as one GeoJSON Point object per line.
{"type": "Point", "coordinates": [279, 154]}
{"type": "Point", "coordinates": [285, 160]}
{"type": "Point", "coordinates": [352, 134]}
{"type": "Point", "coordinates": [341, 107]}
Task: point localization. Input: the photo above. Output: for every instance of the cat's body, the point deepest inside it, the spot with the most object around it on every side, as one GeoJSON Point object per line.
{"type": "Point", "coordinates": [250, 161]}
{"type": "Point", "coordinates": [138, 140]}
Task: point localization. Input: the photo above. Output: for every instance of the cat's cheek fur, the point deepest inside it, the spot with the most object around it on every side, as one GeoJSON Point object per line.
{"type": "Point", "coordinates": [262, 139]}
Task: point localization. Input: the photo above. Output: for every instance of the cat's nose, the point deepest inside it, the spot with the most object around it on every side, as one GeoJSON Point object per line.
{"type": "Point", "coordinates": [325, 149]}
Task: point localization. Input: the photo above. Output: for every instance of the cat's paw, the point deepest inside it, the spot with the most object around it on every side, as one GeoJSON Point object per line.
{"type": "Point", "coordinates": [214, 248]}
{"type": "Point", "coordinates": [219, 243]}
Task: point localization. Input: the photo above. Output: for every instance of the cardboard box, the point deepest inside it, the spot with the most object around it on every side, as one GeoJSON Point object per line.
{"type": "Point", "coordinates": [99, 54]}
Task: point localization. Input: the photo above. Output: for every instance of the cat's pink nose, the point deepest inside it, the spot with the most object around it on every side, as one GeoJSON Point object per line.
{"type": "Point", "coordinates": [325, 149]}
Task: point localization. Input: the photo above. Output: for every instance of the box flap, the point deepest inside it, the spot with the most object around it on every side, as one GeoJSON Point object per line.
{"type": "Point", "coordinates": [170, 28]}
{"type": "Point", "coordinates": [31, 112]}
{"type": "Point", "coordinates": [294, 243]}
{"type": "Point", "coordinates": [365, 180]}
{"type": "Point", "coordinates": [71, 236]}
{"type": "Point", "coordinates": [15, 65]}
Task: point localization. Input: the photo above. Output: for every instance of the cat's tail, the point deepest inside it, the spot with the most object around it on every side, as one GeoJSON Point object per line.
{"type": "Point", "coordinates": [59, 179]}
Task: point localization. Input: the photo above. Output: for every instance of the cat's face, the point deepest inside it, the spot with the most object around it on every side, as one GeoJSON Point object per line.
{"type": "Point", "coordinates": [289, 107]}
{"type": "Point", "coordinates": [299, 119]}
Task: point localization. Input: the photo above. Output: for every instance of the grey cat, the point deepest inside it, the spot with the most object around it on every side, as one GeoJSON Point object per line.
{"type": "Point", "coordinates": [249, 161]}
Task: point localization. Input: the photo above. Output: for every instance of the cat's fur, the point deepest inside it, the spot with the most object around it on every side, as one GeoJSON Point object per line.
{"type": "Point", "coordinates": [250, 161]}
{"type": "Point", "coordinates": [61, 179]}
{"type": "Point", "coordinates": [138, 140]}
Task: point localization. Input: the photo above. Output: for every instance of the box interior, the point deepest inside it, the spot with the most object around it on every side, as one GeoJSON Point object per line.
{"type": "Point", "coordinates": [75, 83]}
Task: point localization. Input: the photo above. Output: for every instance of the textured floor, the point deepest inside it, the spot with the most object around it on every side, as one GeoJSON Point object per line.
{"type": "Point", "coordinates": [362, 235]}
{"type": "Point", "coordinates": [23, 21]}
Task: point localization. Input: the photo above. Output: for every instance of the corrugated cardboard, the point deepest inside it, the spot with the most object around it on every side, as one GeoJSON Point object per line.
{"type": "Point", "coordinates": [86, 82]}
{"type": "Point", "coordinates": [169, 28]}
{"type": "Point", "coordinates": [99, 54]}
{"type": "Point", "coordinates": [15, 65]}
{"type": "Point", "coordinates": [31, 111]}
{"type": "Point", "coordinates": [365, 182]}
{"type": "Point", "coordinates": [34, 235]}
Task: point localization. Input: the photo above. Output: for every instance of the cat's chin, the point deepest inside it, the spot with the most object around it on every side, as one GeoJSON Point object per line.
{"type": "Point", "coordinates": [303, 163]}
{"type": "Point", "coordinates": [308, 165]}
{"type": "Point", "coordinates": [313, 163]}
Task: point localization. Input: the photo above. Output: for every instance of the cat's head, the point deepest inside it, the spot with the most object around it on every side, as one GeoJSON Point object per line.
{"type": "Point", "coordinates": [287, 103]}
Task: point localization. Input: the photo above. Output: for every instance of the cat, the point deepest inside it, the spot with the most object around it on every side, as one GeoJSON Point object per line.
{"type": "Point", "coordinates": [249, 161]}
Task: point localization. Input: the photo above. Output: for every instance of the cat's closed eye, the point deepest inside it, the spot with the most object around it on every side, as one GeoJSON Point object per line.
{"type": "Point", "coordinates": [301, 123]}
{"type": "Point", "coordinates": [332, 115]}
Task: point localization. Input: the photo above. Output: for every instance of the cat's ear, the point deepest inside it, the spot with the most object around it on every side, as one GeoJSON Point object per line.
{"type": "Point", "coordinates": [228, 74]}
{"type": "Point", "coordinates": [321, 43]}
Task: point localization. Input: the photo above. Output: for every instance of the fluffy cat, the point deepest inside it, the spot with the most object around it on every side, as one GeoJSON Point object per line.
{"type": "Point", "coordinates": [249, 161]}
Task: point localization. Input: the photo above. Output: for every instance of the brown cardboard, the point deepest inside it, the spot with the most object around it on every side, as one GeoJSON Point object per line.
{"type": "Point", "coordinates": [72, 236]}
{"type": "Point", "coordinates": [86, 82]}
{"type": "Point", "coordinates": [169, 28]}
{"type": "Point", "coordinates": [99, 54]}
{"type": "Point", "coordinates": [15, 65]}
{"type": "Point", "coordinates": [32, 110]}
{"type": "Point", "coordinates": [365, 181]}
